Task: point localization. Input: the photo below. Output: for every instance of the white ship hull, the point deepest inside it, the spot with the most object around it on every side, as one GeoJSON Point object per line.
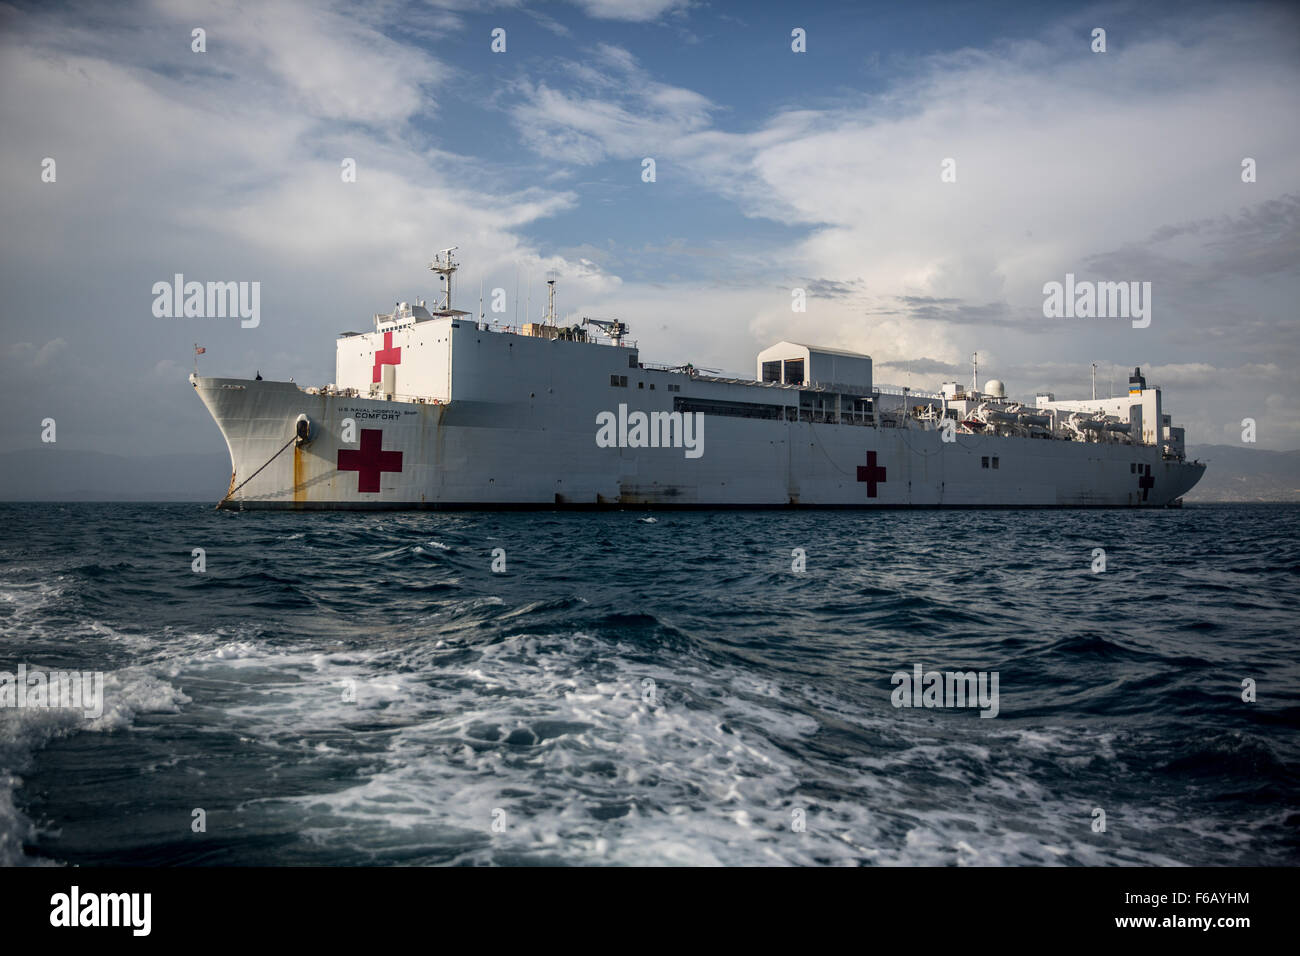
{"type": "Point", "coordinates": [435, 410]}
{"type": "Point", "coordinates": [522, 454]}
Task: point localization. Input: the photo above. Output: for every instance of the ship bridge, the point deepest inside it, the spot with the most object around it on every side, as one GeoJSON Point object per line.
{"type": "Point", "coordinates": [412, 352]}
{"type": "Point", "coordinates": [794, 363]}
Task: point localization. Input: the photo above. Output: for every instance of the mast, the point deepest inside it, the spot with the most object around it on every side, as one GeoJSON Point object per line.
{"type": "Point", "coordinates": [1094, 381]}
{"type": "Point", "coordinates": [550, 301]}
{"type": "Point", "coordinates": [975, 372]}
{"type": "Point", "coordinates": [445, 266]}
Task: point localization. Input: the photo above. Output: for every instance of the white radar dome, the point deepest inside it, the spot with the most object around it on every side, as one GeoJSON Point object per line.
{"type": "Point", "coordinates": [995, 388]}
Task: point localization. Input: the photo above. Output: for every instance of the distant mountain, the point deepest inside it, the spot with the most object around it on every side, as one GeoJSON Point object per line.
{"type": "Point", "coordinates": [1242, 473]}
{"type": "Point", "coordinates": [51, 473]}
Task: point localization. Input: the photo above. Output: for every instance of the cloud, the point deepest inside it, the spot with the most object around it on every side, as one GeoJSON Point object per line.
{"type": "Point", "coordinates": [445, 15]}
{"type": "Point", "coordinates": [31, 356]}
{"type": "Point", "coordinates": [1058, 156]}
{"type": "Point", "coordinates": [636, 11]}
{"type": "Point", "coordinates": [227, 164]}
{"type": "Point", "coordinates": [168, 370]}
{"type": "Point", "coordinates": [831, 289]}
{"type": "Point", "coordinates": [1123, 166]}
{"type": "Point", "coordinates": [620, 111]}
{"type": "Point", "coordinates": [922, 366]}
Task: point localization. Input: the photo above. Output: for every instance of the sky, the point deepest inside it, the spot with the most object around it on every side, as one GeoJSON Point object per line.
{"type": "Point", "coordinates": [775, 170]}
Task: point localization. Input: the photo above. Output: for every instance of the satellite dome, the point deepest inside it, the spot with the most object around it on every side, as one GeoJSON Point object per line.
{"type": "Point", "coordinates": [994, 388]}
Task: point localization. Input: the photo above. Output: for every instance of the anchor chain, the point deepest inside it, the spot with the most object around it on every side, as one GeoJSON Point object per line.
{"type": "Point", "coordinates": [255, 474]}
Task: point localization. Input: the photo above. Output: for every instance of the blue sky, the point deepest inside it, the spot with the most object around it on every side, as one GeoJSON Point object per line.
{"type": "Point", "coordinates": [775, 170]}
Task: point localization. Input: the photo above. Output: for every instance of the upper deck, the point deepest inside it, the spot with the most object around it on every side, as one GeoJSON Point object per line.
{"type": "Point", "coordinates": [442, 354]}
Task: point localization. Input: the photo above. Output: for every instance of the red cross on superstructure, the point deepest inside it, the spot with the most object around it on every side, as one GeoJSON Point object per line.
{"type": "Point", "coordinates": [386, 356]}
{"type": "Point", "coordinates": [369, 461]}
{"type": "Point", "coordinates": [871, 474]}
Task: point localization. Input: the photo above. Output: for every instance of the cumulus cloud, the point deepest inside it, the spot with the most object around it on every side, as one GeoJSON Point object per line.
{"type": "Point", "coordinates": [613, 108]}
{"type": "Point", "coordinates": [28, 355]}
{"type": "Point", "coordinates": [225, 165]}
{"type": "Point", "coordinates": [1122, 166]}
{"type": "Point", "coordinates": [638, 11]}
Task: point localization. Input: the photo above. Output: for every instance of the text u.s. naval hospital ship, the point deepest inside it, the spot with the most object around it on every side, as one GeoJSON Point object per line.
{"type": "Point", "coordinates": [434, 409]}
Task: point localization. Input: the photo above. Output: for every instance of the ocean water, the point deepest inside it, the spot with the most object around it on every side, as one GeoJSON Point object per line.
{"type": "Point", "coordinates": [365, 689]}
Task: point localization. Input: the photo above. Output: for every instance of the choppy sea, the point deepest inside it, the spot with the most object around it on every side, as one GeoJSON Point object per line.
{"type": "Point", "coordinates": [651, 689]}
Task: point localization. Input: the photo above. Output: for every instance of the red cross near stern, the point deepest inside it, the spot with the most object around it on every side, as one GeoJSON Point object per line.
{"type": "Point", "coordinates": [386, 356]}
{"type": "Point", "coordinates": [871, 474]}
{"type": "Point", "coordinates": [369, 461]}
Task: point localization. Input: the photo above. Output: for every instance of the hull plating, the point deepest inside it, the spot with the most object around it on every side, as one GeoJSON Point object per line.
{"type": "Point", "coordinates": [527, 455]}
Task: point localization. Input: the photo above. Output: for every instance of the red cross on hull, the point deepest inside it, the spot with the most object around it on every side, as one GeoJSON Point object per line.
{"type": "Point", "coordinates": [1146, 482]}
{"type": "Point", "coordinates": [386, 356]}
{"type": "Point", "coordinates": [871, 474]}
{"type": "Point", "coordinates": [369, 461]}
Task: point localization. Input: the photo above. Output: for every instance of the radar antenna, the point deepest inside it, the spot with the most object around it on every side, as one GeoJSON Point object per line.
{"type": "Point", "coordinates": [445, 266]}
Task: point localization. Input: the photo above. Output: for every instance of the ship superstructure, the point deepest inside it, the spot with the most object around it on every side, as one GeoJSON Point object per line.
{"type": "Point", "coordinates": [438, 408]}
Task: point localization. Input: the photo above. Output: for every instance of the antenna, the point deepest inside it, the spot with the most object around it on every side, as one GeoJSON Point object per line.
{"type": "Point", "coordinates": [550, 301]}
{"type": "Point", "coordinates": [480, 301]}
{"type": "Point", "coordinates": [975, 372]}
{"type": "Point", "coordinates": [1094, 381]}
{"type": "Point", "coordinates": [445, 266]}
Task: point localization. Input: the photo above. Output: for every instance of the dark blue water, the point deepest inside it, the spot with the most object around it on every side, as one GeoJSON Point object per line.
{"type": "Point", "coordinates": [667, 691]}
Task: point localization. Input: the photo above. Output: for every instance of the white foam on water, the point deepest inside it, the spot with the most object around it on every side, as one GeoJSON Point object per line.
{"type": "Point", "coordinates": [20, 599]}
{"type": "Point", "coordinates": [587, 760]}
{"type": "Point", "coordinates": [234, 651]}
{"type": "Point", "coordinates": [593, 756]}
{"type": "Point", "coordinates": [24, 731]}
{"type": "Point", "coordinates": [101, 631]}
